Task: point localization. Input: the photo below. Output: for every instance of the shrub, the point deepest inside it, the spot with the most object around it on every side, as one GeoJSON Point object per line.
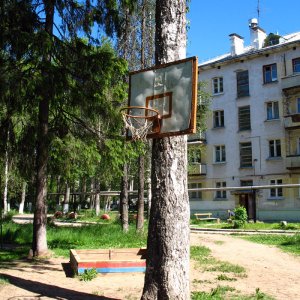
{"type": "Point", "coordinates": [9, 215]}
{"type": "Point", "coordinates": [240, 217]}
{"type": "Point", "coordinates": [88, 275]}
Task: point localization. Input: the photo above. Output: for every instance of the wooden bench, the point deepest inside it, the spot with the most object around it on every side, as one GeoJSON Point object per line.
{"type": "Point", "coordinates": [206, 217]}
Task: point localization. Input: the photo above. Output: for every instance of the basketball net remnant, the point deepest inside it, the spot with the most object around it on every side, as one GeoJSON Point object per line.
{"type": "Point", "coordinates": [140, 125]}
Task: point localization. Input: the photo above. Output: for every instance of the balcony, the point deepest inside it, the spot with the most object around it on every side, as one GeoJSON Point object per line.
{"type": "Point", "coordinates": [195, 138]}
{"type": "Point", "coordinates": [293, 162]}
{"type": "Point", "coordinates": [290, 82]}
{"type": "Point", "coordinates": [292, 121]}
{"type": "Point", "coordinates": [197, 169]}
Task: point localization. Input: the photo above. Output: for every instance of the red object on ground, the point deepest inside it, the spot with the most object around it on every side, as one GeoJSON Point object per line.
{"type": "Point", "coordinates": [105, 217]}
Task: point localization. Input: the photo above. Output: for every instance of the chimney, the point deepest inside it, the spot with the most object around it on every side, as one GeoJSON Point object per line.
{"type": "Point", "coordinates": [237, 44]}
{"type": "Point", "coordinates": [257, 34]}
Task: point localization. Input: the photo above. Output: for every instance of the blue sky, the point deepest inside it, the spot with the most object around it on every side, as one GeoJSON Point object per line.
{"type": "Point", "coordinates": [211, 22]}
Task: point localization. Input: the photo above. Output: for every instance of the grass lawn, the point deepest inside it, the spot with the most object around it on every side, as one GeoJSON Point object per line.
{"type": "Point", "coordinates": [250, 226]}
{"type": "Point", "coordinates": [62, 239]}
{"type": "Point", "coordinates": [289, 244]}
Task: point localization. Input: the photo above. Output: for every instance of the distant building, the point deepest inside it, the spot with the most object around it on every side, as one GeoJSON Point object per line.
{"type": "Point", "coordinates": [253, 130]}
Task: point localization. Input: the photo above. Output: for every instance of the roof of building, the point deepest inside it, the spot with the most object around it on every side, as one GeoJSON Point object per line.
{"type": "Point", "coordinates": [249, 50]}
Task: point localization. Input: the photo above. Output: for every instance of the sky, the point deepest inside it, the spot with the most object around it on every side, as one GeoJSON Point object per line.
{"type": "Point", "coordinates": [211, 22]}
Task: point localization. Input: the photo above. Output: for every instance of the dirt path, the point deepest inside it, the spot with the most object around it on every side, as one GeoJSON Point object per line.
{"type": "Point", "coordinates": [274, 272]}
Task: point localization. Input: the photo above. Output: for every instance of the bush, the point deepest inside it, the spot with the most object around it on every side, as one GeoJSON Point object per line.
{"type": "Point", "coordinates": [9, 215]}
{"type": "Point", "coordinates": [240, 217]}
{"type": "Point", "coordinates": [88, 275]}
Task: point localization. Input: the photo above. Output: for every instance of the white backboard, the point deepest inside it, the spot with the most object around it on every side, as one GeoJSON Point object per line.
{"type": "Point", "coordinates": [172, 90]}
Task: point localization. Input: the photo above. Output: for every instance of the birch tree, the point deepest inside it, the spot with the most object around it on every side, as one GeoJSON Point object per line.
{"type": "Point", "coordinates": [167, 272]}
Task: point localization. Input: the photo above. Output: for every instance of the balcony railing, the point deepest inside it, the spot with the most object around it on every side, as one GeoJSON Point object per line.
{"type": "Point", "coordinates": [290, 82]}
{"type": "Point", "coordinates": [293, 162]}
{"type": "Point", "coordinates": [197, 169]}
{"type": "Point", "coordinates": [197, 137]}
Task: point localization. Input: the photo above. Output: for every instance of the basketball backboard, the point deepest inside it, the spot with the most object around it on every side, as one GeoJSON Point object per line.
{"type": "Point", "coordinates": [170, 89]}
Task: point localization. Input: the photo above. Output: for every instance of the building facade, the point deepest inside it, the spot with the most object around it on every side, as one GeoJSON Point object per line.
{"type": "Point", "coordinates": [253, 129]}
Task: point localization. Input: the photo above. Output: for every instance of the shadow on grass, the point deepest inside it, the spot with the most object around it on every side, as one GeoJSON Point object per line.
{"type": "Point", "coordinates": [51, 291]}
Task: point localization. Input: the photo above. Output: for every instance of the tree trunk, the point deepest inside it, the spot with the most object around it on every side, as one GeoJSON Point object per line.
{"type": "Point", "coordinates": [124, 199]}
{"type": "Point", "coordinates": [167, 272]}
{"type": "Point", "coordinates": [83, 193]}
{"type": "Point", "coordinates": [39, 240]}
{"type": "Point", "coordinates": [140, 210]}
{"type": "Point", "coordinates": [21, 207]}
{"type": "Point", "coordinates": [149, 197]}
{"type": "Point", "coordinates": [97, 200]}
{"type": "Point", "coordinates": [5, 192]}
{"type": "Point", "coordinates": [66, 199]}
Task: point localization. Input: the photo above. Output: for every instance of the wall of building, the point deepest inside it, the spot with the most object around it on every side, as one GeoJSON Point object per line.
{"type": "Point", "coordinates": [262, 131]}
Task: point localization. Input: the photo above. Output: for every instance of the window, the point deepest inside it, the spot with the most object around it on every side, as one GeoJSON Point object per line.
{"type": "Point", "coordinates": [298, 146]}
{"type": "Point", "coordinates": [219, 118]}
{"type": "Point", "coordinates": [217, 85]}
{"type": "Point", "coordinates": [298, 105]}
{"type": "Point", "coordinates": [246, 182]}
{"type": "Point", "coordinates": [221, 194]}
{"type": "Point", "coordinates": [244, 118]}
{"type": "Point", "coordinates": [246, 155]}
{"type": "Point", "coordinates": [276, 192]}
{"type": "Point", "coordinates": [296, 65]}
{"type": "Point", "coordinates": [270, 73]}
{"type": "Point", "coordinates": [275, 148]}
{"type": "Point", "coordinates": [193, 195]}
{"type": "Point", "coordinates": [220, 154]}
{"type": "Point", "coordinates": [242, 78]}
{"type": "Point", "coordinates": [272, 110]}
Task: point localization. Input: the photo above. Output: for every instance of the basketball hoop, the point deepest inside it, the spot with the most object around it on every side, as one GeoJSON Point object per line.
{"type": "Point", "coordinates": [141, 121]}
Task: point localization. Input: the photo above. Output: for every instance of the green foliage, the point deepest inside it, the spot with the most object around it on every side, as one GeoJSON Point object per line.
{"type": "Point", "coordinates": [9, 215]}
{"type": "Point", "coordinates": [203, 105]}
{"type": "Point", "coordinates": [3, 280]}
{"type": "Point", "coordinates": [271, 39]}
{"type": "Point", "coordinates": [88, 275]}
{"type": "Point", "coordinates": [227, 292]}
{"type": "Point", "coordinates": [287, 243]}
{"type": "Point", "coordinates": [227, 267]}
{"type": "Point", "coordinates": [199, 253]}
{"type": "Point", "coordinates": [224, 277]}
{"type": "Point", "coordinates": [62, 239]}
{"type": "Point", "coordinates": [240, 217]}
{"type": "Point", "coordinates": [215, 294]}
{"type": "Point", "coordinates": [7, 255]}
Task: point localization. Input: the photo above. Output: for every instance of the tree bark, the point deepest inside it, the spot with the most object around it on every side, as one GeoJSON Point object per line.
{"type": "Point", "coordinates": [21, 207]}
{"type": "Point", "coordinates": [97, 200]}
{"type": "Point", "coordinates": [83, 193]}
{"type": "Point", "coordinates": [39, 240]}
{"type": "Point", "coordinates": [124, 199]}
{"type": "Point", "coordinates": [140, 210]}
{"type": "Point", "coordinates": [66, 203]}
{"type": "Point", "coordinates": [167, 272]}
{"type": "Point", "coordinates": [5, 192]}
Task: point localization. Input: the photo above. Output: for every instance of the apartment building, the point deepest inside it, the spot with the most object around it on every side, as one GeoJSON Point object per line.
{"type": "Point", "coordinates": [253, 129]}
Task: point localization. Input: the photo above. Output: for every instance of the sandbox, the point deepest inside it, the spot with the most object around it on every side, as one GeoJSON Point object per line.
{"type": "Point", "coordinates": [109, 260]}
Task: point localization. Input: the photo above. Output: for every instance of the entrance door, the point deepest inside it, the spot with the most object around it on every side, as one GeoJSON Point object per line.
{"type": "Point", "coordinates": [246, 200]}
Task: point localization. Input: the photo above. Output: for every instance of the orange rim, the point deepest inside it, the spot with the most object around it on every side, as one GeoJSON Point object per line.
{"type": "Point", "coordinates": [140, 117]}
